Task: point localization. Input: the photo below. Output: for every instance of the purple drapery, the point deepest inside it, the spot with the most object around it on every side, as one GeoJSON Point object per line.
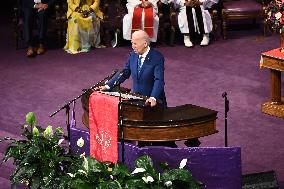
{"type": "Point", "coordinates": [216, 167]}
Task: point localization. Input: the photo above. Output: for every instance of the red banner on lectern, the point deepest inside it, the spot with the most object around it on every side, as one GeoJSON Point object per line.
{"type": "Point", "coordinates": [103, 119]}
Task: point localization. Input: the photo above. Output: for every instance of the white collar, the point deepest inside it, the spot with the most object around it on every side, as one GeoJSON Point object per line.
{"type": "Point", "coordinates": [145, 53]}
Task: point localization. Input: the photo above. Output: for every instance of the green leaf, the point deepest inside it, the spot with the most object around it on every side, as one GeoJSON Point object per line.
{"type": "Point", "coordinates": [135, 184]}
{"type": "Point", "coordinates": [120, 170]}
{"type": "Point", "coordinates": [109, 185]}
{"type": "Point", "coordinates": [146, 163]}
{"type": "Point", "coordinates": [11, 151]}
{"type": "Point", "coordinates": [30, 118]}
{"type": "Point", "coordinates": [164, 166]}
{"type": "Point", "coordinates": [48, 132]}
{"type": "Point", "coordinates": [177, 174]}
{"type": "Point", "coordinates": [95, 166]}
{"type": "Point", "coordinates": [36, 183]}
{"type": "Point", "coordinates": [59, 131]}
{"type": "Point", "coordinates": [35, 131]}
{"type": "Point", "coordinates": [81, 184]}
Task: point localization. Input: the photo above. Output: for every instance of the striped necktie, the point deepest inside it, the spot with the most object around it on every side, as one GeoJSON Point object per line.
{"type": "Point", "coordinates": [139, 62]}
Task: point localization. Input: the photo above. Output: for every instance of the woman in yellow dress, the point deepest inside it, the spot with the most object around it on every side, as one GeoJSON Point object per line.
{"type": "Point", "coordinates": [83, 30]}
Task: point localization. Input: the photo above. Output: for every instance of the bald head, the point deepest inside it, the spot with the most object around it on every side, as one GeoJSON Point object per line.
{"type": "Point", "coordinates": [141, 35]}
{"type": "Point", "coordinates": [140, 41]}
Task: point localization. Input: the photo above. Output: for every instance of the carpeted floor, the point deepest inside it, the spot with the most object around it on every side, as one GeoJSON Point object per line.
{"type": "Point", "coordinates": [193, 76]}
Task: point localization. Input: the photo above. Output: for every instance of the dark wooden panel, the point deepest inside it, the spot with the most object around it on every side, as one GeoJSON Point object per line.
{"type": "Point", "coordinates": [169, 133]}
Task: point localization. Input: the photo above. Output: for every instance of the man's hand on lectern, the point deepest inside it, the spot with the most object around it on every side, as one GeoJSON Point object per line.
{"type": "Point", "coordinates": [151, 101]}
{"type": "Point", "coordinates": [101, 88]}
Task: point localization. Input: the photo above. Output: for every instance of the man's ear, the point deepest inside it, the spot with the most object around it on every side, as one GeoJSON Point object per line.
{"type": "Point", "coordinates": [145, 44]}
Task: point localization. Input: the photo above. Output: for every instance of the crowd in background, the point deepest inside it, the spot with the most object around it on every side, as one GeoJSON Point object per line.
{"type": "Point", "coordinates": [84, 18]}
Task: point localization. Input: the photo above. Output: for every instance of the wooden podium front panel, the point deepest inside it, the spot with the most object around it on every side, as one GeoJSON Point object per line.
{"type": "Point", "coordinates": [171, 124]}
{"type": "Point", "coordinates": [169, 133]}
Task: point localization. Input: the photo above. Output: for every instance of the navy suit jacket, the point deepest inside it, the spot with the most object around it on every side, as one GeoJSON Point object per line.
{"type": "Point", "coordinates": [150, 81]}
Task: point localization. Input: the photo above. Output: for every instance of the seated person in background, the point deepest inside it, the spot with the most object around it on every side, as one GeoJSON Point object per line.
{"type": "Point", "coordinates": [195, 18]}
{"type": "Point", "coordinates": [142, 15]}
{"type": "Point", "coordinates": [31, 9]}
{"type": "Point", "coordinates": [83, 30]}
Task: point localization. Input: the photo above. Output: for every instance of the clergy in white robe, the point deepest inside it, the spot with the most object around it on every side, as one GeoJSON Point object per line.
{"type": "Point", "coordinates": [128, 18]}
{"type": "Point", "coordinates": [194, 17]}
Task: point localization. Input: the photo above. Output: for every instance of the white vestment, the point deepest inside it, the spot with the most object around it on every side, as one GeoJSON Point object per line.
{"type": "Point", "coordinates": [127, 19]}
{"type": "Point", "coordinates": [182, 16]}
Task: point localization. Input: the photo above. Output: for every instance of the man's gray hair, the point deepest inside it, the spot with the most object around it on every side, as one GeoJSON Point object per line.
{"type": "Point", "coordinates": [144, 35]}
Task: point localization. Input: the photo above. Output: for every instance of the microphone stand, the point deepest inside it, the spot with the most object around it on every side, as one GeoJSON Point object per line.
{"type": "Point", "coordinates": [120, 116]}
{"type": "Point", "coordinates": [67, 105]}
{"type": "Point", "coordinates": [224, 95]}
{"type": "Point", "coordinates": [120, 122]}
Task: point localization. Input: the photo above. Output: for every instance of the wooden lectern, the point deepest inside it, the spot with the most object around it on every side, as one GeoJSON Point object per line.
{"type": "Point", "coordinates": [274, 60]}
{"type": "Point", "coordinates": [143, 123]}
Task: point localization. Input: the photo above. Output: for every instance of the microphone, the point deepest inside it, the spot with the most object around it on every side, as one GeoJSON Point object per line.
{"type": "Point", "coordinates": [224, 95]}
{"type": "Point", "coordinates": [117, 82]}
{"type": "Point", "coordinates": [109, 76]}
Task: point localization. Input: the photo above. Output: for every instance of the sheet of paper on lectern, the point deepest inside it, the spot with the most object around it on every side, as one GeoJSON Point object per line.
{"type": "Point", "coordinates": [125, 96]}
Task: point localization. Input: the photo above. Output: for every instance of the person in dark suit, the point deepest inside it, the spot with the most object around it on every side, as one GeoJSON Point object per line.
{"type": "Point", "coordinates": [31, 9]}
{"type": "Point", "coordinates": [146, 66]}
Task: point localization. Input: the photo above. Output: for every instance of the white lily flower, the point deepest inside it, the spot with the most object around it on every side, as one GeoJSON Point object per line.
{"type": "Point", "coordinates": [80, 142]}
{"type": "Point", "coordinates": [278, 15]}
{"type": "Point", "coordinates": [51, 164]}
{"type": "Point", "coordinates": [138, 170]}
{"type": "Point", "coordinates": [168, 183]}
{"type": "Point", "coordinates": [182, 163]}
{"type": "Point", "coordinates": [82, 171]}
{"type": "Point", "coordinates": [148, 179]}
{"type": "Point", "coordinates": [85, 163]}
{"type": "Point", "coordinates": [60, 141]}
{"type": "Point", "coordinates": [83, 154]}
{"type": "Point", "coordinates": [45, 179]}
{"type": "Point", "coordinates": [27, 183]}
{"type": "Point", "coordinates": [71, 175]}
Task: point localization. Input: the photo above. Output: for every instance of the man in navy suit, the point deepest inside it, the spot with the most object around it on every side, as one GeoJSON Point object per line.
{"type": "Point", "coordinates": [31, 8]}
{"type": "Point", "coordinates": [146, 66]}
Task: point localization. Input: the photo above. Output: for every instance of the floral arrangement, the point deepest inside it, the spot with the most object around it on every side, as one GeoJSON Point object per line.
{"type": "Point", "coordinates": [42, 161]}
{"type": "Point", "coordinates": [275, 15]}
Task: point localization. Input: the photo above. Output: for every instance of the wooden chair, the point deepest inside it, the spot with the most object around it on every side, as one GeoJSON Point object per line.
{"type": "Point", "coordinates": [54, 23]}
{"type": "Point", "coordinates": [113, 10]}
{"type": "Point", "coordinates": [243, 10]}
{"type": "Point", "coordinates": [165, 25]}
